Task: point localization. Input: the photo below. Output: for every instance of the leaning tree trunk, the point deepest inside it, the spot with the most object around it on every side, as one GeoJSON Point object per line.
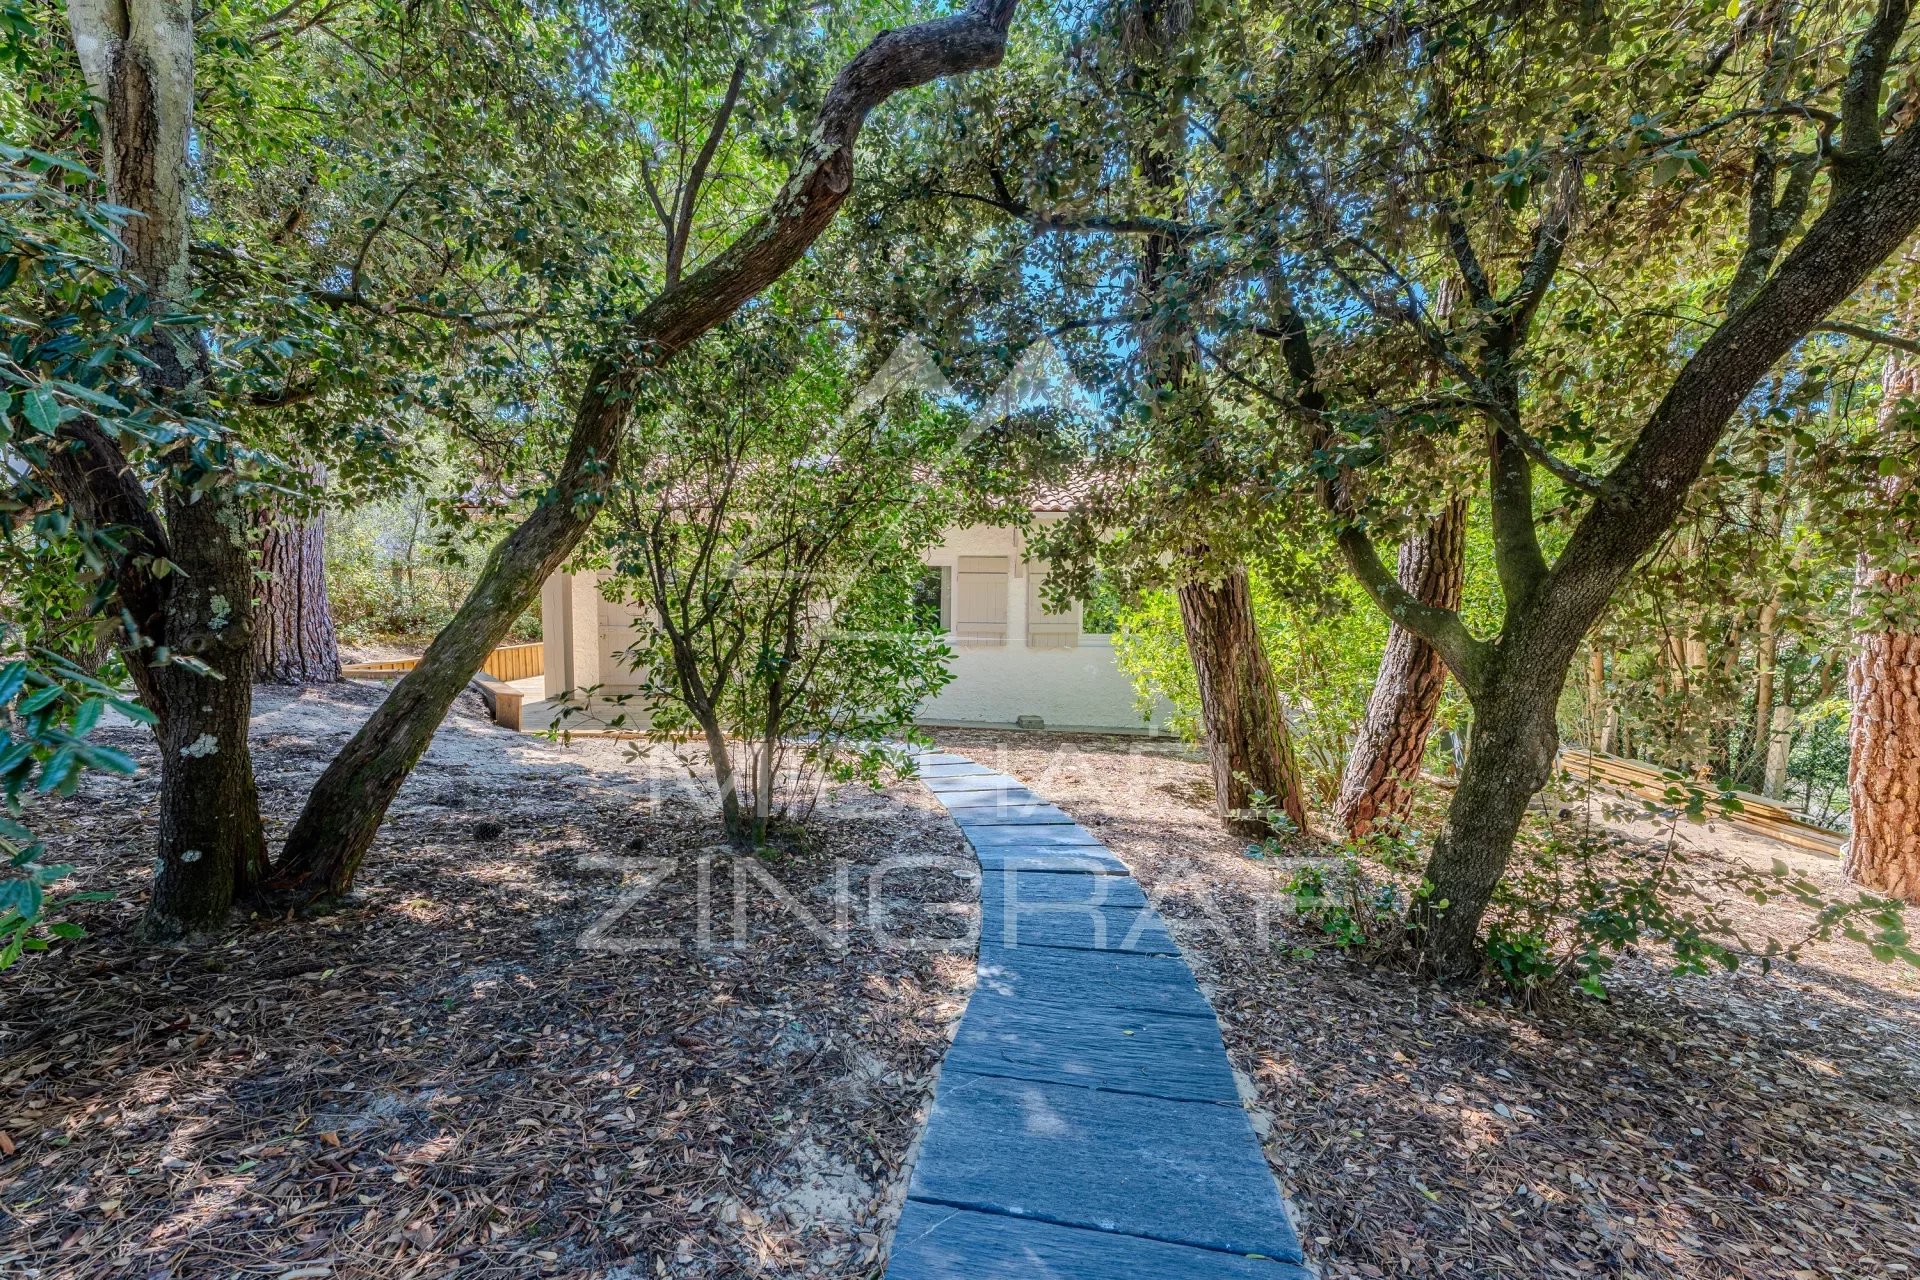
{"type": "Point", "coordinates": [1393, 738]}
{"type": "Point", "coordinates": [293, 637]}
{"type": "Point", "coordinates": [138, 62]}
{"type": "Point", "coordinates": [1883, 685]}
{"type": "Point", "coordinates": [1248, 742]}
{"type": "Point", "coordinates": [1515, 741]}
{"type": "Point", "coordinates": [345, 808]}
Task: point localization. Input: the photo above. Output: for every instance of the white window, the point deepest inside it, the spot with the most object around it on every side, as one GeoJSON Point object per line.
{"type": "Point", "coordinates": [980, 600]}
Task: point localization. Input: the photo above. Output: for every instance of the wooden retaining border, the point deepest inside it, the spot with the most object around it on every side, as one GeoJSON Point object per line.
{"type": "Point", "coordinates": [1757, 814]}
{"type": "Point", "coordinates": [507, 663]}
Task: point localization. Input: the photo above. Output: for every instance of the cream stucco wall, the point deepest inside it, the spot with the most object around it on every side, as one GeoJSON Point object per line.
{"type": "Point", "coordinates": [994, 684]}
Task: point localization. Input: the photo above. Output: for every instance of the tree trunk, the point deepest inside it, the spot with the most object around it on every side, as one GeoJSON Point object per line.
{"type": "Point", "coordinates": [344, 810]}
{"type": "Point", "coordinates": [1779, 751]}
{"type": "Point", "coordinates": [347, 805]}
{"type": "Point", "coordinates": [293, 638]}
{"type": "Point", "coordinates": [1766, 657]}
{"type": "Point", "coordinates": [197, 678]}
{"type": "Point", "coordinates": [1247, 738]}
{"type": "Point", "coordinates": [1515, 741]}
{"type": "Point", "coordinates": [724, 779]}
{"type": "Point", "coordinates": [1393, 737]}
{"type": "Point", "coordinates": [1883, 686]}
{"type": "Point", "coordinates": [209, 835]}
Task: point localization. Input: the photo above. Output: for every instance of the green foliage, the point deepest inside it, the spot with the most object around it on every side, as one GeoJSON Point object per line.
{"type": "Point", "coordinates": [1520, 958]}
{"type": "Point", "coordinates": [1350, 908]}
{"type": "Point", "coordinates": [769, 531]}
{"type": "Point", "coordinates": [1577, 899]}
{"type": "Point", "coordinates": [71, 355]}
{"type": "Point", "coordinates": [397, 571]}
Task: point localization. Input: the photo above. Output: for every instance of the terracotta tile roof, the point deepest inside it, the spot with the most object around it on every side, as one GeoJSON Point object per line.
{"type": "Point", "coordinates": [1068, 494]}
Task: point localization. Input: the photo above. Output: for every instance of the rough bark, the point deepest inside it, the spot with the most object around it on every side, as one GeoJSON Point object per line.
{"type": "Point", "coordinates": [1406, 693]}
{"type": "Point", "coordinates": [1883, 686]}
{"type": "Point", "coordinates": [1247, 738]}
{"type": "Point", "coordinates": [347, 805]}
{"type": "Point", "coordinates": [293, 636]}
{"type": "Point", "coordinates": [1515, 741]}
{"type": "Point", "coordinates": [138, 60]}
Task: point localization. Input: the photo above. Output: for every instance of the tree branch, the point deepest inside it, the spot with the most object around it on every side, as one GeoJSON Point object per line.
{"type": "Point", "coordinates": [1443, 628]}
{"type": "Point", "coordinates": [1086, 223]}
{"type": "Point", "coordinates": [1866, 334]}
{"type": "Point", "coordinates": [682, 229]}
{"type": "Point", "coordinates": [1465, 655]}
{"type": "Point", "coordinates": [1517, 308]}
{"type": "Point", "coordinates": [1859, 229]}
{"type": "Point", "coordinates": [1859, 147]}
{"type": "Point", "coordinates": [1472, 274]}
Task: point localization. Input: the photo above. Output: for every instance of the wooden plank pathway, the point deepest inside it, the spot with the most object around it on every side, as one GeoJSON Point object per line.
{"type": "Point", "coordinates": [1086, 1125]}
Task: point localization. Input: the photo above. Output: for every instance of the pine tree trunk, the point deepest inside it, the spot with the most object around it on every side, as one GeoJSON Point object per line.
{"type": "Point", "coordinates": [1883, 685]}
{"type": "Point", "coordinates": [1766, 657]}
{"type": "Point", "coordinates": [1248, 742]}
{"type": "Point", "coordinates": [293, 637]}
{"type": "Point", "coordinates": [1779, 751]}
{"type": "Point", "coordinates": [1393, 737]}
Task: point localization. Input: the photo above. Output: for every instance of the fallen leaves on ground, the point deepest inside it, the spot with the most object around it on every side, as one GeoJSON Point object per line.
{"type": "Point", "coordinates": [441, 1080]}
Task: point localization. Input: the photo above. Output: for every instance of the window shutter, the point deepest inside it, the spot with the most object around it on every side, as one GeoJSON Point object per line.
{"type": "Point", "coordinates": [980, 600]}
{"type": "Point", "coordinates": [1049, 630]}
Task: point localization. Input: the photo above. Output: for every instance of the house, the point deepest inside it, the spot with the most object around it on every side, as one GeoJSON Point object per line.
{"type": "Point", "coordinates": [1015, 664]}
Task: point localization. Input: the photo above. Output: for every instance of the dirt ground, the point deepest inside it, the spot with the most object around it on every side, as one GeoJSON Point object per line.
{"type": "Point", "coordinates": [516, 1057]}
{"type": "Point", "coordinates": [522, 1055]}
{"type": "Point", "coordinates": [1738, 1127]}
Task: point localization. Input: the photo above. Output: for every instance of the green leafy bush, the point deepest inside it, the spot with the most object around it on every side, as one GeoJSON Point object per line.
{"type": "Point", "coordinates": [1579, 898]}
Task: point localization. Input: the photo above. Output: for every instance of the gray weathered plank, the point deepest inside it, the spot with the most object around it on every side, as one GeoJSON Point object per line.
{"type": "Point", "coordinates": [937, 1242]}
{"type": "Point", "coordinates": [969, 803]}
{"type": "Point", "coordinates": [927, 771]}
{"type": "Point", "coordinates": [1156, 984]}
{"type": "Point", "coordinates": [969, 782]}
{"type": "Point", "coordinates": [1011, 816]}
{"type": "Point", "coordinates": [1080, 927]}
{"type": "Point", "coordinates": [1184, 1172]}
{"type": "Point", "coordinates": [1016, 886]}
{"type": "Point", "coordinates": [983, 838]}
{"type": "Point", "coordinates": [1094, 1047]}
{"type": "Point", "coordinates": [1063, 858]}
